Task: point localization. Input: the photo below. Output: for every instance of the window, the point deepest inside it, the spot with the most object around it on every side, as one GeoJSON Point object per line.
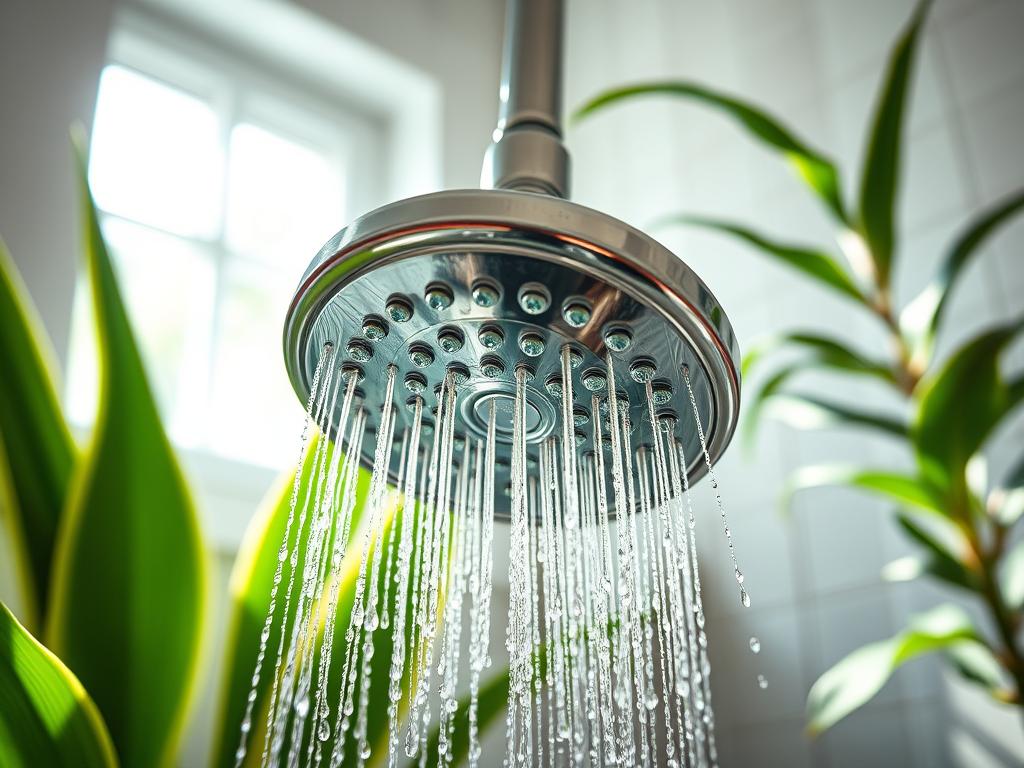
{"type": "Point", "coordinates": [216, 186]}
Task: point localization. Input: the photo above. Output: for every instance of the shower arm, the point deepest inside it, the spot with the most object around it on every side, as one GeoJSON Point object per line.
{"type": "Point", "coordinates": [527, 153]}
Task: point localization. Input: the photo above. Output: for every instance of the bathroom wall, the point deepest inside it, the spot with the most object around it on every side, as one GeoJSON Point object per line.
{"type": "Point", "coordinates": [814, 576]}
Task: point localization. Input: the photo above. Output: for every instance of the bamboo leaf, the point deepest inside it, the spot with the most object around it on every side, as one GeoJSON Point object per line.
{"type": "Point", "coordinates": [806, 412]}
{"type": "Point", "coordinates": [863, 673]}
{"type": "Point", "coordinates": [976, 662]}
{"type": "Point", "coordinates": [958, 407]}
{"type": "Point", "coordinates": [1011, 576]}
{"type": "Point", "coordinates": [37, 453]}
{"type": "Point", "coordinates": [128, 590]}
{"type": "Point", "coordinates": [817, 171]}
{"type": "Point", "coordinates": [941, 562]}
{"type": "Point", "coordinates": [813, 263]}
{"type": "Point", "coordinates": [905, 490]}
{"type": "Point", "coordinates": [881, 174]}
{"type": "Point", "coordinates": [921, 318]}
{"type": "Point", "coordinates": [822, 351]}
{"type": "Point", "coordinates": [46, 716]}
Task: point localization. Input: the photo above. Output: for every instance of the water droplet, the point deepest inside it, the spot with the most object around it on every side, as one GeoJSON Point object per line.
{"type": "Point", "coordinates": [618, 340]}
{"type": "Point", "coordinates": [755, 645]}
{"type": "Point", "coordinates": [399, 310]}
{"type": "Point", "coordinates": [762, 682]}
{"type": "Point", "coordinates": [421, 355]}
{"type": "Point", "coordinates": [491, 337]}
{"type": "Point", "coordinates": [449, 340]}
{"type": "Point", "coordinates": [438, 296]}
{"type": "Point", "coordinates": [744, 598]}
{"type": "Point", "coordinates": [485, 295]}
{"type": "Point", "coordinates": [374, 328]}
{"type": "Point", "coordinates": [359, 351]}
{"type": "Point", "coordinates": [534, 300]}
{"type": "Point", "coordinates": [531, 344]}
{"type": "Point", "coordinates": [576, 314]}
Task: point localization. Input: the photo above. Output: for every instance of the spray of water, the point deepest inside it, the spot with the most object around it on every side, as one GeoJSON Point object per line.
{"type": "Point", "coordinates": [608, 654]}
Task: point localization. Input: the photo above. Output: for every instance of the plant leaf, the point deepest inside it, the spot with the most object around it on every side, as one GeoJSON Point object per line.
{"type": "Point", "coordinates": [46, 716]}
{"type": "Point", "coordinates": [976, 662]}
{"type": "Point", "coordinates": [860, 675]}
{"type": "Point", "coordinates": [807, 412]}
{"type": "Point", "coordinates": [921, 318]}
{"type": "Point", "coordinates": [817, 171]}
{"type": "Point", "coordinates": [903, 489]}
{"type": "Point", "coordinates": [492, 702]}
{"type": "Point", "coordinates": [37, 453]}
{"type": "Point", "coordinates": [822, 351]}
{"type": "Point", "coordinates": [251, 579]}
{"type": "Point", "coordinates": [813, 263]}
{"type": "Point", "coordinates": [881, 175]}
{"type": "Point", "coordinates": [941, 563]}
{"type": "Point", "coordinates": [1006, 503]}
{"type": "Point", "coordinates": [1011, 576]}
{"type": "Point", "coordinates": [128, 590]}
{"type": "Point", "coordinates": [958, 407]}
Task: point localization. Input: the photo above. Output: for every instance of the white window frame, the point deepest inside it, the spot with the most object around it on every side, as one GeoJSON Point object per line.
{"type": "Point", "coordinates": [305, 68]}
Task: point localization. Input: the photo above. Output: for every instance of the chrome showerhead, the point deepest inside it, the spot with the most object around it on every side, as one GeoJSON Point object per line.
{"type": "Point", "coordinates": [481, 282]}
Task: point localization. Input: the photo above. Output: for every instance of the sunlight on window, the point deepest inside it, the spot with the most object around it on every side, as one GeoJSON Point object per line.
{"type": "Point", "coordinates": [206, 285]}
{"type": "Point", "coordinates": [283, 199]}
{"type": "Point", "coordinates": [156, 155]}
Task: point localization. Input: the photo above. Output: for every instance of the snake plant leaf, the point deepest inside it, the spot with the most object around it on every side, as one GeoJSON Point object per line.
{"type": "Point", "coordinates": [128, 588]}
{"type": "Point", "coordinates": [921, 318]}
{"type": "Point", "coordinates": [809, 412]}
{"type": "Point", "coordinates": [252, 577]}
{"type": "Point", "coordinates": [907, 491]}
{"type": "Point", "coordinates": [46, 716]}
{"type": "Point", "coordinates": [880, 177]}
{"type": "Point", "coordinates": [37, 454]}
{"type": "Point", "coordinates": [491, 704]}
{"type": "Point", "coordinates": [958, 407]}
{"type": "Point", "coordinates": [821, 352]}
{"type": "Point", "coordinates": [862, 674]}
{"type": "Point", "coordinates": [941, 562]}
{"type": "Point", "coordinates": [813, 263]}
{"type": "Point", "coordinates": [816, 170]}
{"type": "Point", "coordinates": [1011, 576]}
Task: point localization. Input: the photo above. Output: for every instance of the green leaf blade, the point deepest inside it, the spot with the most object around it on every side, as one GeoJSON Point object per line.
{"type": "Point", "coordinates": [811, 166]}
{"type": "Point", "coordinates": [855, 679]}
{"type": "Point", "coordinates": [813, 263]}
{"type": "Point", "coordinates": [46, 717]}
{"type": "Point", "coordinates": [129, 587]}
{"type": "Point", "coordinates": [881, 175]}
{"type": "Point", "coordinates": [822, 351]}
{"type": "Point", "coordinates": [37, 454]}
{"type": "Point", "coordinates": [905, 490]}
{"type": "Point", "coordinates": [921, 318]}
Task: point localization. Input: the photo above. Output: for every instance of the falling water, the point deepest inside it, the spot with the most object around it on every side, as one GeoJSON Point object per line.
{"type": "Point", "coordinates": [606, 638]}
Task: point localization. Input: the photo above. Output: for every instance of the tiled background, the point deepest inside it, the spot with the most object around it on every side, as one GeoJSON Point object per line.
{"type": "Point", "coordinates": [814, 576]}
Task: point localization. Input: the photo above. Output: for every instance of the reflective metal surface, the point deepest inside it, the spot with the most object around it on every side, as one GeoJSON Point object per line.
{"type": "Point", "coordinates": [535, 272]}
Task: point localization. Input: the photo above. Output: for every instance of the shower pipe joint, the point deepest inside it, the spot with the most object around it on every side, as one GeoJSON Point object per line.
{"type": "Point", "coordinates": [527, 152]}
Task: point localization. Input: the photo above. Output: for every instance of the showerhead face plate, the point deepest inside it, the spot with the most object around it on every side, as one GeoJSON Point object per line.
{"type": "Point", "coordinates": [485, 281]}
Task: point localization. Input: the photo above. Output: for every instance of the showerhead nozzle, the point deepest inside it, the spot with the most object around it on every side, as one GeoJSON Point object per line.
{"type": "Point", "coordinates": [485, 281]}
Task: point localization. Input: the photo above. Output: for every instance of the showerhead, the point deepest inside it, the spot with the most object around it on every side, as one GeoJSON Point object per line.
{"type": "Point", "coordinates": [482, 282]}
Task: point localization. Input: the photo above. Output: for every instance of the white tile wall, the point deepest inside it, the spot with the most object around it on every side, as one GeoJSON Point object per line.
{"type": "Point", "coordinates": [814, 577]}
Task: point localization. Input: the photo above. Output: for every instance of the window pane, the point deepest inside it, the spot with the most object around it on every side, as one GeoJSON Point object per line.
{"type": "Point", "coordinates": [167, 284]}
{"type": "Point", "coordinates": [255, 415]}
{"type": "Point", "coordinates": [156, 155]}
{"type": "Point", "coordinates": [284, 200]}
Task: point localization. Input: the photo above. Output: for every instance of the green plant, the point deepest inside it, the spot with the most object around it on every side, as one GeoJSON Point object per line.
{"type": "Point", "coordinates": [110, 562]}
{"type": "Point", "coordinates": [953, 405]}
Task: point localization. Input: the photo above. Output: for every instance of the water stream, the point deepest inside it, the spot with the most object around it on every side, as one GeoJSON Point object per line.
{"type": "Point", "coordinates": [605, 634]}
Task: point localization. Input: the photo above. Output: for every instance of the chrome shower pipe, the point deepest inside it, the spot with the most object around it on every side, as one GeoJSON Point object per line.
{"type": "Point", "coordinates": [527, 152]}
